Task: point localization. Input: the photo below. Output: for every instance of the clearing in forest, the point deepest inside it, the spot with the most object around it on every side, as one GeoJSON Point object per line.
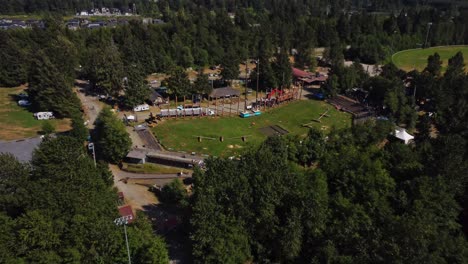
{"type": "Point", "coordinates": [17, 122]}
{"type": "Point", "coordinates": [181, 134]}
{"type": "Point", "coordinates": [417, 58]}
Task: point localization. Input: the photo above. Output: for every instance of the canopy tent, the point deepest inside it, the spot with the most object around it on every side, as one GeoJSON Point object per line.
{"type": "Point", "coordinates": [401, 134]}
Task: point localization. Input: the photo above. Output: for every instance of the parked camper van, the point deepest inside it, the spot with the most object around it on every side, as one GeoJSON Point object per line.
{"type": "Point", "coordinates": [143, 107]}
{"type": "Point", "coordinates": [44, 115]}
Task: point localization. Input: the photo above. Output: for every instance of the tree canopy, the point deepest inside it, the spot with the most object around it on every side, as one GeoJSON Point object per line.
{"type": "Point", "coordinates": [112, 139]}
{"type": "Point", "coordinates": [61, 209]}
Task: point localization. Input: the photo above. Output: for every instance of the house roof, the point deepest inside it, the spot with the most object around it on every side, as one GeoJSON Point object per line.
{"type": "Point", "coordinates": [308, 77]}
{"type": "Point", "coordinates": [224, 92]}
{"type": "Point", "coordinates": [21, 149]}
{"type": "Point", "coordinates": [301, 74]}
{"type": "Point", "coordinates": [155, 95]}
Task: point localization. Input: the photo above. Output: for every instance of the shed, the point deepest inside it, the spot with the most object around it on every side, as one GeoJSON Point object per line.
{"type": "Point", "coordinates": [224, 92]}
{"type": "Point", "coordinates": [136, 157]}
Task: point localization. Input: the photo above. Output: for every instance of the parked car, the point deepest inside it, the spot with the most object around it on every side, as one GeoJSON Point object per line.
{"type": "Point", "coordinates": [23, 95]}
{"type": "Point", "coordinates": [24, 103]}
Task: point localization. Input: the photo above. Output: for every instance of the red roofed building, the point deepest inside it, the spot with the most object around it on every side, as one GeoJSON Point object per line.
{"type": "Point", "coordinates": [301, 74]}
{"type": "Point", "coordinates": [125, 211]}
{"type": "Point", "coordinates": [308, 77]}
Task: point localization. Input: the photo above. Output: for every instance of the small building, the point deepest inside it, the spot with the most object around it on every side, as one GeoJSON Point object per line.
{"type": "Point", "coordinates": [73, 24]}
{"type": "Point", "coordinates": [127, 211]}
{"type": "Point", "coordinates": [174, 160]}
{"type": "Point", "coordinates": [401, 134]}
{"type": "Point", "coordinates": [136, 157]}
{"type": "Point", "coordinates": [44, 115]}
{"type": "Point", "coordinates": [94, 25]}
{"type": "Point", "coordinates": [224, 92]}
{"type": "Point", "coordinates": [308, 77]}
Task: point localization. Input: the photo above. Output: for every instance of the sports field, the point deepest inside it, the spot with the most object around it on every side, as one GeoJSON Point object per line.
{"type": "Point", "coordinates": [181, 134]}
{"type": "Point", "coordinates": [17, 122]}
{"type": "Point", "coordinates": [417, 58]}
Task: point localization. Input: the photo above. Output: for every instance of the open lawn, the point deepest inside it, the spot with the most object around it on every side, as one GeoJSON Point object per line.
{"type": "Point", "coordinates": [181, 134]}
{"type": "Point", "coordinates": [417, 58]}
{"type": "Point", "coordinates": [17, 122]}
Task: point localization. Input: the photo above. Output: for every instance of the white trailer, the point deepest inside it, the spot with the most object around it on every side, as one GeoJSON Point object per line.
{"type": "Point", "coordinates": [143, 107]}
{"type": "Point", "coordinates": [44, 115]}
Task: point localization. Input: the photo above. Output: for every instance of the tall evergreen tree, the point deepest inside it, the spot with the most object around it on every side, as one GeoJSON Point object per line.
{"type": "Point", "coordinates": [230, 65]}
{"type": "Point", "coordinates": [49, 89]}
{"type": "Point", "coordinates": [283, 69]}
{"type": "Point", "coordinates": [111, 138]}
{"type": "Point", "coordinates": [13, 62]}
{"type": "Point", "coordinates": [178, 83]}
{"type": "Point", "coordinates": [136, 88]}
{"type": "Point", "coordinates": [104, 69]}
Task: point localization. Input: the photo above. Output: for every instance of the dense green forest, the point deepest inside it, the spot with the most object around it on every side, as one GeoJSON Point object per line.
{"type": "Point", "coordinates": [61, 208]}
{"type": "Point", "coordinates": [349, 197]}
{"type": "Point", "coordinates": [196, 36]}
{"type": "Point", "coordinates": [352, 196]}
{"type": "Point", "coordinates": [361, 204]}
{"type": "Point", "coordinates": [151, 7]}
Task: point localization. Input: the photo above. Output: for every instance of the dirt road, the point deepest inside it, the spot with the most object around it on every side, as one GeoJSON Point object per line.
{"type": "Point", "coordinates": [137, 195]}
{"type": "Point", "coordinates": [91, 105]}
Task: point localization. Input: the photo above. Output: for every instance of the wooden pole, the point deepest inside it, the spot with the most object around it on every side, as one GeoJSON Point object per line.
{"type": "Point", "coordinates": [177, 114]}
{"type": "Point", "coordinates": [184, 107]}
{"type": "Point", "coordinates": [168, 104]}
{"type": "Point", "coordinates": [222, 106]}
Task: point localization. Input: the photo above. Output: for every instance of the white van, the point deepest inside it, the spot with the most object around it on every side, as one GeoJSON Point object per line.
{"type": "Point", "coordinates": [143, 107]}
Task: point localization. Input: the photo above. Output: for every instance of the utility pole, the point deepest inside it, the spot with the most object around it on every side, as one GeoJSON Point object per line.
{"type": "Point", "coordinates": [246, 74]}
{"type": "Point", "coordinates": [427, 34]}
{"type": "Point", "coordinates": [91, 147]}
{"type": "Point", "coordinates": [124, 221]}
{"type": "Point", "coordinates": [258, 74]}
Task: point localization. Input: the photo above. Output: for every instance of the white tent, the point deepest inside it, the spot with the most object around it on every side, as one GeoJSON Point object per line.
{"type": "Point", "coordinates": [401, 134]}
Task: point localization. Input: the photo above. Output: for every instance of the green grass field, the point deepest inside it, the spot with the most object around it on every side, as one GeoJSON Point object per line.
{"type": "Point", "coordinates": [17, 122]}
{"type": "Point", "coordinates": [417, 58]}
{"type": "Point", "coordinates": [181, 134]}
{"type": "Point", "coordinates": [151, 168]}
